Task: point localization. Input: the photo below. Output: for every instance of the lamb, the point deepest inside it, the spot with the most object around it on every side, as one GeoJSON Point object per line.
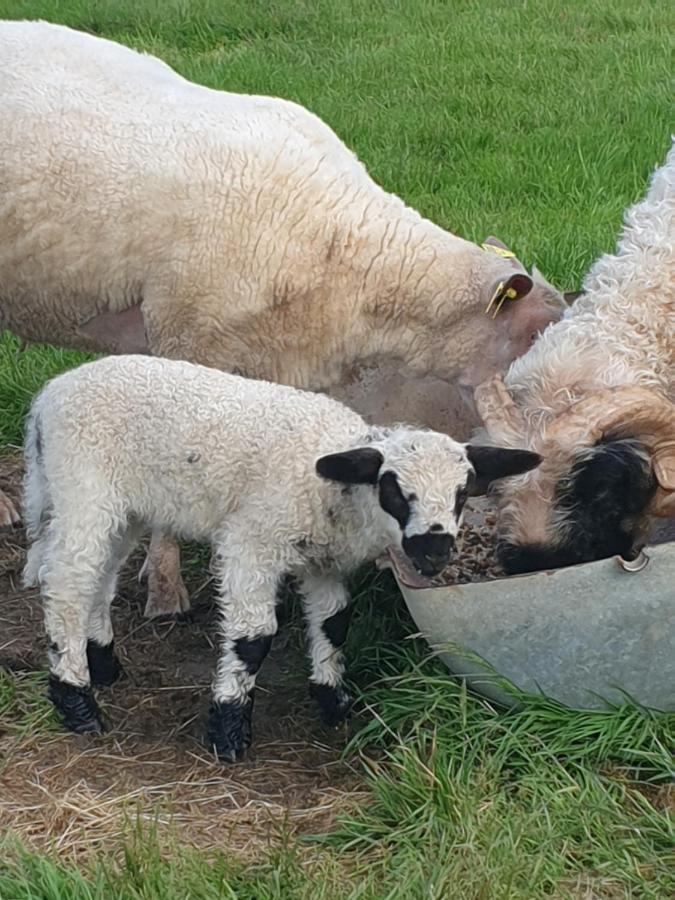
{"type": "Point", "coordinates": [283, 483]}
{"type": "Point", "coordinates": [141, 213]}
{"type": "Point", "coordinates": [596, 396]}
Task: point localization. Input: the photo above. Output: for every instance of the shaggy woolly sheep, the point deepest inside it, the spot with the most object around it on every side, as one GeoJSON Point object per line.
{"type": "Point", "coordinates": [142, 213]}
{"type": "Point", "coordinates": [283, 484]}
{"type": "Point", "coordinates": [596, 396]}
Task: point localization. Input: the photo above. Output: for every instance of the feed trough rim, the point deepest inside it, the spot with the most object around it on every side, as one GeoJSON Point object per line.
{"type": "Point", "coordinates": [407, 577]}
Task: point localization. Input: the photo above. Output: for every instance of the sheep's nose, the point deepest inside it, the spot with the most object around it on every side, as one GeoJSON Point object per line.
{"type": "Point", "coordinates": [429, 553]}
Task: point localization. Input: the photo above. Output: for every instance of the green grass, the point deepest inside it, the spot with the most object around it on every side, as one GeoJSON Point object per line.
{"type": "Point", "coordinates": [537, 121]}
{"type": "Point", "coordinates": [23, 705]}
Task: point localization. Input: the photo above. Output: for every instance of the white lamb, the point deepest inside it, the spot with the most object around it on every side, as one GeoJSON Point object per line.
{"type": "Point", "coordinates": [129, 443]}
{"type": "Point", "coordinates": [142, 213]}
{"type": "Point", "coordinates": [596, 396]}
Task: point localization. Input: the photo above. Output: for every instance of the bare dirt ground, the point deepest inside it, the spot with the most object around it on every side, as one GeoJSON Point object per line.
{"type": "Point", "coordinates": [75, 793]}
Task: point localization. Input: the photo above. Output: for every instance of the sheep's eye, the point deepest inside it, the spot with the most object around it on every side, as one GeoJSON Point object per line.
{"type": "Point", "coordinates": [412, 497]}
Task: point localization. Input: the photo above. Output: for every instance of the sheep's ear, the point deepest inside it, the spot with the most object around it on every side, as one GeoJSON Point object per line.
{"type": "Point", "coordinates": [360, 466]}
{"type": "Point", "coordinates": [491, 463]}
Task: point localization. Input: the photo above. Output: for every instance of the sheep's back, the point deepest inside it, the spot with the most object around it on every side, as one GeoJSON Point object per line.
{"type": "Point", "coordinates": [186, 445]}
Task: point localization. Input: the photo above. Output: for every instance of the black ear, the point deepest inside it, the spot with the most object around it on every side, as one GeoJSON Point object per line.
{"type": "Point", "coordinates": [359, 466]}
{"type": "Point", "coordinates": [491, 463]}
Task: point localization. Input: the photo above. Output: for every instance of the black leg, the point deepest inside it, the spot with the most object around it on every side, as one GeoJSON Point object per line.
{"type": "Point", "coordinates": [76, 706]}
{"type": "Point", "coordinates": [327, 611]}
{"type": "Point", "coordinates": [229, 729]}
{"type": "Point", "coordinates": [336, 626]}
{"type": "Point", "coordinates": [252, 652]}
{"type": "Point", "coordinates": [104, 666]}
{"type": "Point", "coordinates": [334, 703]}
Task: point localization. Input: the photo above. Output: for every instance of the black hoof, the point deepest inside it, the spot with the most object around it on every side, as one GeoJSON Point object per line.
{"type": "Point", "coordinates": [334, 703]}
{"type": "Point", "coordinates": [77, 707]}
{"type": "Point", "coordinates": [229, 729]}
{"type": "Point", "coordinates": [104, 666]}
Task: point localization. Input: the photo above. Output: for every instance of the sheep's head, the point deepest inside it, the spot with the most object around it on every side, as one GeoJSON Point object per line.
{"type": "Point", "coordinates": [470, 315]}
{"type": "Point", "coordinates": [509, 331]}
{"type": "Point", "coordinates": [422, 480]}
{"type": "Point", "coordinates": [609, 465]}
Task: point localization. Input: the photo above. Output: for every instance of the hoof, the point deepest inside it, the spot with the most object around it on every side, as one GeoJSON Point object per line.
{"type": "Point", "coordinates": [77, 707]}
{"type": "Point", "coordinates": [9, 517]}
{"type": "Point", "coordinates": [333, 702]}
{"type": "Point", "coordinates": [229, 729]}
{"type": "Point", "coordinates": [104, 666]}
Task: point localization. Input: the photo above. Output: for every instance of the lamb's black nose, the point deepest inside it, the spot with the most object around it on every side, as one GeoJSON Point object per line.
{"type": "Point", "coordinates": [430, 552]}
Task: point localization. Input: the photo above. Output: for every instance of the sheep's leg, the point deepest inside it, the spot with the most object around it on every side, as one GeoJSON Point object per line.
{"type": "Point", "coordinates": [327, 612]}
{"type": "Point", "coordinates": [167, 594]}
{"type": "Point", "coordinates": [248, 601]}
{"type": "Point", "coordinates": [9, 517]}
{"type": "Point", "coordinates": [104, 666]}
{"type": "Point", "coordinates": [74, 568]}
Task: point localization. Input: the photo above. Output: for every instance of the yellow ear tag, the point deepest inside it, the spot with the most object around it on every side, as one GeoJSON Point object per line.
{"type": "Point", "coordinates": [498, 298]}
{"type": "Point", "coordinates": [504, 252]}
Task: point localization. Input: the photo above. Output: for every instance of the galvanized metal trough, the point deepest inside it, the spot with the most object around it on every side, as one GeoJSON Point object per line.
{"type": "Point", "coordinates": [588, 636]}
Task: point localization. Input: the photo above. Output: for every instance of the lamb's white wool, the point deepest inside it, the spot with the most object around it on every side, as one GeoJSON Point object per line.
{"type": "Point", "coordinates": [607, 369]}
{"type": "Point", "coordinates": [281, 482]}
{"type": "Point", "coordinates": [144, 213]}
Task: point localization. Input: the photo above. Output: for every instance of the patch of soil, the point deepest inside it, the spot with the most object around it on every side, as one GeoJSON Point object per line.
{"type": "Point", "coordinates": [74, 792]}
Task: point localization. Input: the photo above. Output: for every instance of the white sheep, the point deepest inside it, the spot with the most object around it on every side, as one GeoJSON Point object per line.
{"type": "Point", "coordinates": [129, 443]}
{"type": "Point", "coordinates": [143, 213]}
{"type": "Point", "coordinates": [596, 396]}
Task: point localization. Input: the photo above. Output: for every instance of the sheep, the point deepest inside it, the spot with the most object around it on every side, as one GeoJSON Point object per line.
{"type": "Point", "coordinates": [596, 396]}
{"type": "Point", "coordinates": [282, 483]}
{"type": "Point", "coordinates": [142, 213]}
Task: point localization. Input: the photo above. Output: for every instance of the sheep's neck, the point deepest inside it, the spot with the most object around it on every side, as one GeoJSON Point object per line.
{"type": "Point", "coordinates": [408, 282]}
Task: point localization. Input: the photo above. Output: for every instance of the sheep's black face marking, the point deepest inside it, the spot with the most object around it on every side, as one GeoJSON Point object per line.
{"type": "Point", "coordinates": [429, 553]}
{"type": "Point", "coordinates": [76, 706]}
{"type": "Point", "coordinates": [604, 501]}
{"type": "Point", "coordinates": [335, 627]}
{"type": "Point", "coordinates": [393, 500]}
{"type": "Point", "coordinates": [104, 666]}
{"type": "Point", "coordinates": [253, 652]}
{"type": "Point", "coordinates": [229, 729]}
